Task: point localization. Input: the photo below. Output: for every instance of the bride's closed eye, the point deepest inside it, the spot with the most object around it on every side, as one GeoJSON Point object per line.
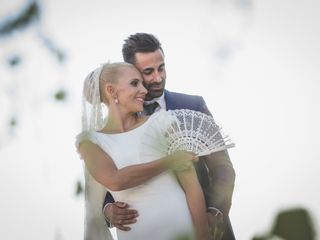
{"type": "Point", "coordinates": [135, 82]}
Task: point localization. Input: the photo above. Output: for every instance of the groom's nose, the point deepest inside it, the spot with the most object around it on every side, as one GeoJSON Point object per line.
{"type": "Point", "coordinates": [157, 77]}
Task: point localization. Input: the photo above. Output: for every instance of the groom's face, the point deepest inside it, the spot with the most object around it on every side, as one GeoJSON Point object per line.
{"type": "Point", "coordinates": [152, 67]}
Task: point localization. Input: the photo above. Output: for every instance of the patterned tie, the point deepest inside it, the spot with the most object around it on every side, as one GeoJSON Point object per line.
{"type": "Point", "coordinates": [149, 109]}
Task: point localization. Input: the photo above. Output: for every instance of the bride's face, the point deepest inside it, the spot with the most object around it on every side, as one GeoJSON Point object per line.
{"type": "Point", "coordinates": [130, 90]}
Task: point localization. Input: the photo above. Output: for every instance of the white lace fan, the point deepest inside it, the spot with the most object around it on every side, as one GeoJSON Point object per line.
{"type": "Point", "coordinates": [184, 129]}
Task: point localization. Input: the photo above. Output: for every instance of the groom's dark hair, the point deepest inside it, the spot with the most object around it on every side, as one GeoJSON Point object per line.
{"type": "Point", "coordinates": [139, 42]}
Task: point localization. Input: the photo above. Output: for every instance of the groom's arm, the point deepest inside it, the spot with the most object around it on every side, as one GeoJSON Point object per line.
{"type": "Point", "coordinates": [221, 175]}
{"type": "Point", "coordinates": [108, 200]}
{"type": "Point", "coordinates": [222, 178]}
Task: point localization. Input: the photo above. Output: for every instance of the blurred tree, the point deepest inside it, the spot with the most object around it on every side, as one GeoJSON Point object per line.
{"type": "Point", "coordinates": [14, 60]}
{"type": "Point", "coordinates": [60, 95]}
{"type": "Point", "coordinates": [291, 224]}
{"type": "Point", "coordinates": [28, 15]}
{"type": "Point", "coordinates": [13, 122]}
{"type": "Point", "coordinates": [79, 188]}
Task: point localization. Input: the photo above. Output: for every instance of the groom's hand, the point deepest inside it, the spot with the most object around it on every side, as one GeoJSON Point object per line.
{"type": "Point", "coordinates": [119, 215]}
{"type": "Point", "coordinates": [215, 220]}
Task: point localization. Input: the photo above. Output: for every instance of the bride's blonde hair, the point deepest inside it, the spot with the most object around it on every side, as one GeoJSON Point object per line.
{"type": "Point", "coordinates": [110, 74]}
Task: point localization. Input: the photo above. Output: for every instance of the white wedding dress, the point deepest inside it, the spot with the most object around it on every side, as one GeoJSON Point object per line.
{"type": "Point", "coordinates": [160, 202]}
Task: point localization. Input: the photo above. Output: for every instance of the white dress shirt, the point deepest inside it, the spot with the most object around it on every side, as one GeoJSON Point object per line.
{"type": "Point", "coordinates": [160, 100]}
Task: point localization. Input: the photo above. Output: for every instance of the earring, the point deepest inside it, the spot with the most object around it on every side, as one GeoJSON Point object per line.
{"type": "Point", "coordinates": [116, 100]}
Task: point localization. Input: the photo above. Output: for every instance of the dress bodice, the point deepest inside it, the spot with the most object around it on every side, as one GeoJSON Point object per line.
{"type": "Point", "coordinates": [161, 202]}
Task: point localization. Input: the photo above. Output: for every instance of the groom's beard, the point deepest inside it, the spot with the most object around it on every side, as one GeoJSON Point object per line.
{"type": "Point", "coordinates": [155, 90]}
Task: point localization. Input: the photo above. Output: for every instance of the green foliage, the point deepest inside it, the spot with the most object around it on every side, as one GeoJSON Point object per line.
{"type": "Point", "coordinates": [184, 237]}
{"type": "Point", "coordinates": [294, 224]}
{"type": "Point", "coordinates": [291, 224]}
{"type": "Point", "coordinates": [13, 122]}
{"type": "Point", "coordinates": [27, 16]}
{"type": "Point", "coordinates": [60, 95]}
{"type": "Point", "coordinates": [14, 61]}
{"type": "Point", "coordinates": [79, 188]}
{"type": "Point", "coordinates": [57, 52]}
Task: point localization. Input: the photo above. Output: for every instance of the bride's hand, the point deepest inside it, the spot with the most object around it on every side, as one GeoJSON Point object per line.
{"type": "Point", "coordinates": [182, 160]}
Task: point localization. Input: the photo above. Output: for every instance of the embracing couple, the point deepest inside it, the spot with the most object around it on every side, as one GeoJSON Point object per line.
{"type": "Point", "coordinates": [160, 197]}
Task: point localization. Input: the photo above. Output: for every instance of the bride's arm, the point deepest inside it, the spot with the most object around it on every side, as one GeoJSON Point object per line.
{"type": "Point", "coordinates": [104, 170]}
{"type": "Point", "coordinates": [196, 202]}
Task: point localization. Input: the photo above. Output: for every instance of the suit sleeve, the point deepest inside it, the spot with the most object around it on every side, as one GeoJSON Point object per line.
{"type": "Point", "coordinates": [108, 199]}
{"type": "Point", "coordinates": [203, 107]}
{"type": "Point", "coordinates": [222, 178]}
{"type": "Point", "coordinates": [221, 175]}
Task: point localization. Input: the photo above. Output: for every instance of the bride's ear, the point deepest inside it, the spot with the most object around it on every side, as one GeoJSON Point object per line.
{"type": "Point", "coordinates": [109, 90]}
{"type": "Point", "coordinates": [107, 93]}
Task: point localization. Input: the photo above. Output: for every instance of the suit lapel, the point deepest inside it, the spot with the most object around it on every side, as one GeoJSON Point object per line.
{"type": "Point", "coordinates": [169, 99]}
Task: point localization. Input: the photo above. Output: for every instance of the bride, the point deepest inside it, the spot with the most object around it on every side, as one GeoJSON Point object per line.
{"type": "Point", "coordinates": [111, 149]}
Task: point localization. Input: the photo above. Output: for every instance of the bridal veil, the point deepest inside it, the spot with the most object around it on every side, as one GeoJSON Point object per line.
{"type": "Point", "coordinates": [93, 119]}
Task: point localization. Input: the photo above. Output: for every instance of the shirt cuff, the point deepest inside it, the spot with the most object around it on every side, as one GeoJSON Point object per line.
{"type": "Point", "coordinates": [105, 217]}
{"type": "Point", "coordinates": [216, 211]}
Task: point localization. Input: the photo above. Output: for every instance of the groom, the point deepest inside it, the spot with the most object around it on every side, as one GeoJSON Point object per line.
{"type": "Point", "coordinates": [215, 172]}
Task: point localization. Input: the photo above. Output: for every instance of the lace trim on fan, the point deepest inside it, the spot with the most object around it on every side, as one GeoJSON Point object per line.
{"type": "Point", "coordinates": [185, 129]}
